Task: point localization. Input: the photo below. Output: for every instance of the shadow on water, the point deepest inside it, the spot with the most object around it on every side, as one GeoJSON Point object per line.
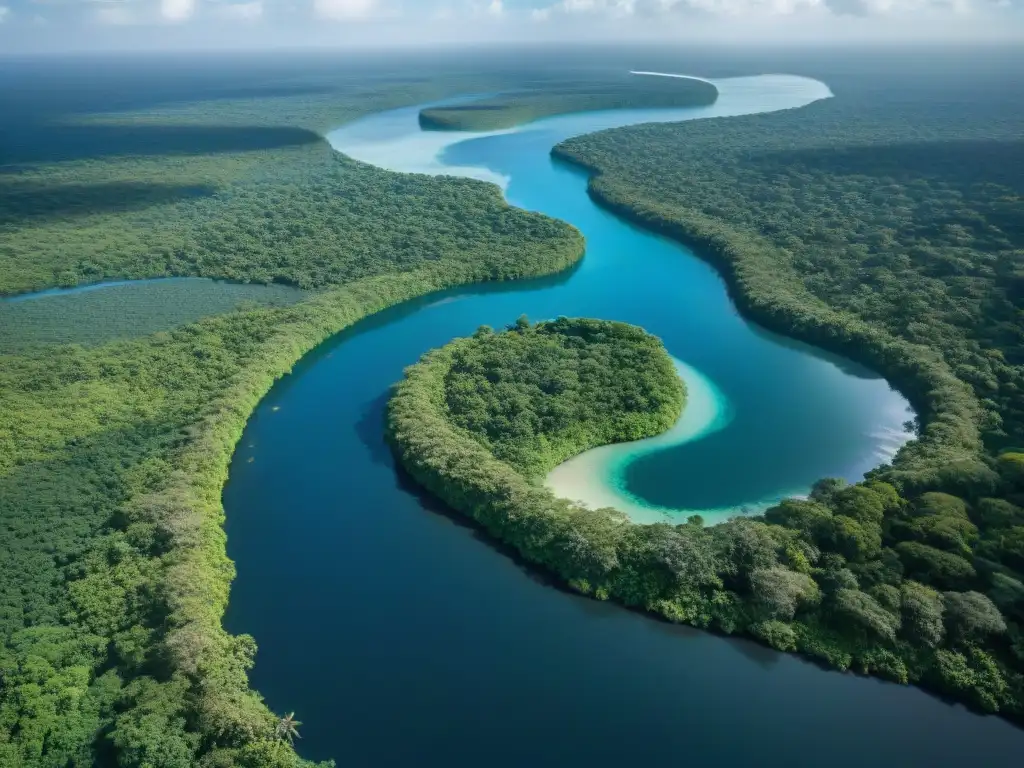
{"type": "Point", "coordinates": [439, 510]}
{"type": "Point", "coordinates": [764, 657]}
{"type": "Point", "coordinates": [847, 366]}
{"type": "Point", "coordinates": [370, 431]}
{"type": "Point", "coordinates": [26, 202]}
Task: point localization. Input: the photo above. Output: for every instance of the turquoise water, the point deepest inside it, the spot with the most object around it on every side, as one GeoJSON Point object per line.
{"type": "Point", "coordinates": [401, 638]}
{"type": "Point", "coordinates": [770, 417]}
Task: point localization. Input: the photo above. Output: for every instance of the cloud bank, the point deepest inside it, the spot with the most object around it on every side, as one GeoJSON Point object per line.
{"type": "Point", "coordinates": [347, 23]}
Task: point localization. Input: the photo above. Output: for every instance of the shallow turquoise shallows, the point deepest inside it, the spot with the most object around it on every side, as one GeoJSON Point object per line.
{"type": "Point", "coordinates": [401, 638]}
{"type": "Point", "coordinates": [765, 418]}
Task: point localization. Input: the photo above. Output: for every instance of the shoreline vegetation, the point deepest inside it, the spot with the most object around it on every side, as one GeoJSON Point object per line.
{"type": "Point", "coordinates": [510, 110]}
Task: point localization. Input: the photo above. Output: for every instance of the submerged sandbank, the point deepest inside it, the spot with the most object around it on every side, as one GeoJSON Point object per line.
{"type": "Point", "coordinates": [597, 477]}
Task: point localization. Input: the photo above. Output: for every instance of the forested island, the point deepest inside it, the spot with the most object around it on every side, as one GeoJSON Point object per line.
{"type": "Point", "coordinates": [856, 576]}
{"type": "Point", "coordinates": [516, 108]}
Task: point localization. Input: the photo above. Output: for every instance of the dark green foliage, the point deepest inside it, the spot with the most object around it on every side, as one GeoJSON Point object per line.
{"type": "Point", "coordinates": [539, 395]}
{"type": "Point", "coordinates": [559, 98]}
{"type": "Point", "coordinates": [934, 566]}
{"type": "Point", "coordinates": [1011, 467]}
{"type": "Point", "coordinates": [970, 616]}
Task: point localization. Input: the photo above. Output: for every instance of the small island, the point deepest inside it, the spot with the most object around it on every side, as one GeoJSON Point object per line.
{"type": "Point", "coordinates": [855, 576]}
{"type": "Point", "coordinates": [511, 109]}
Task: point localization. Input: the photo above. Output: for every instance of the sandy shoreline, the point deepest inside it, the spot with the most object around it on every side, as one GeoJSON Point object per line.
{"type": "Point", "coordinates": [595, 477]}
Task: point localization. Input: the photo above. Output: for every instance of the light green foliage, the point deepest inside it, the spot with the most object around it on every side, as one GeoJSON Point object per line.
{"type": "Point", "coordinates": [939, 520]}
{"type": "Point", "coordinates": [745, 546]}
{"type": "Point", "coordinates": [860, 503]}
{"type": "Point", "coordinates": [812, 518]}
{"type": "Point", "coordinates": [973, 675]}
{"type": "Point", "coordinates": [558, 98]}
{"type": "Point", "coordinates": [854, 540]}
{"type": "Point", "coordinates": [884, 663]}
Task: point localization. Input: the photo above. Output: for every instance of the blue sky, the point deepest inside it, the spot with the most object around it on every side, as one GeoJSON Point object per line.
{"type": "Point", "coordinates": [56, 25]}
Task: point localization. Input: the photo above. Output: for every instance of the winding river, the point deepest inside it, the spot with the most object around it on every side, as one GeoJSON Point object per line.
{"type": "Point", "coordinates": [400, 638]}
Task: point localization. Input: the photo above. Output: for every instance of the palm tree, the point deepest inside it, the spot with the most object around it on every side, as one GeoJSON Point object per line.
{"type": "Point", "coordinates": [288, 728]}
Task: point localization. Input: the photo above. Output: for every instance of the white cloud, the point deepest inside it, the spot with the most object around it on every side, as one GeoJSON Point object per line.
{"type": "Point", "coordinates": [117, 13]}
{"type": "Point", "coordinates": [177, 10]}
{"type": "Point", "coordinates": [496, 8]}
{"type": "Point", "coordinates": [344, 9]}
{"type": "Point", "coordinates": [747, 9]}
{"type": "Point", "coordinates": [4, 11]}
{"type": "Point", "coordinates": [250, 11]}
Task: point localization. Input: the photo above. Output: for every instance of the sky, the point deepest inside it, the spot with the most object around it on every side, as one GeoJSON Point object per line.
{"type": "Point", "coordinates": [71, 25]}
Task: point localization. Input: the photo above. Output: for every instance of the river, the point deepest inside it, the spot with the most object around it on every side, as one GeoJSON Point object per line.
{"type": "Point", "coordinates": [400, 637]}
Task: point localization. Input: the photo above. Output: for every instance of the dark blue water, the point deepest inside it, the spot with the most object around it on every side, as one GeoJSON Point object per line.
{"type": "Point", "coordinates": [401, 638]}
